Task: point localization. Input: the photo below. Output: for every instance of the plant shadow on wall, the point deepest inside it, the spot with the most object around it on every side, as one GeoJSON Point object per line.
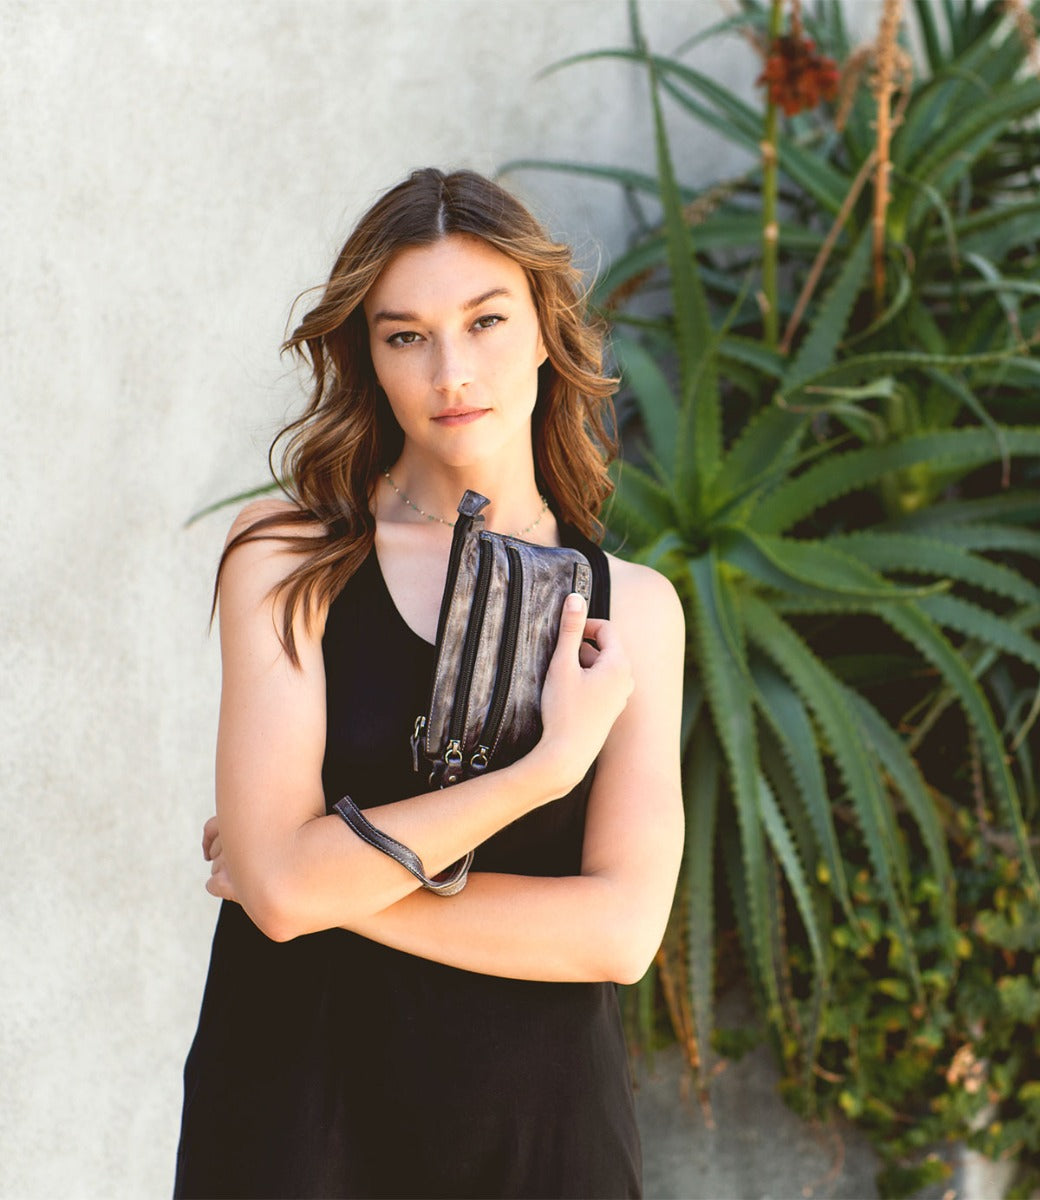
{"type": "Point", "coordinates": [833, 451]}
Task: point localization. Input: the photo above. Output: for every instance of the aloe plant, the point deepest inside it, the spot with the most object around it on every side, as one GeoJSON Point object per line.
{"type": "Point", "coordinates": [962, 223]}
{"type": "Point", "coordinates": [821, 508]}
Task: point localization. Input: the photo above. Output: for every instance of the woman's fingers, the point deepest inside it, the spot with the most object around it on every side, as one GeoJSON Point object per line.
{"type": "Point", "coordinates": [219, 882]}
{"type": "Point", "coordinates": [217, 885]}
{"type": "Point", "coordinates": [588, 652]}
{"type": "Point", "coordinates": [210, 832]}
{"type": "Point", "coordinates": [601, 634]}
{"type": "Point", "coordinates": [573, 620]}
{"type": "Point", "coordinates": [588, 684]}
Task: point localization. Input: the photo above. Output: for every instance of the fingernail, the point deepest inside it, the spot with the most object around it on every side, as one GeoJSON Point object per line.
{"type": "Point", "coordinates": [575, 602]}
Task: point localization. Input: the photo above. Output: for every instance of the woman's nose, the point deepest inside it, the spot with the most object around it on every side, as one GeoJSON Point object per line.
{"type": "Point", "coordinates": [452, 369]}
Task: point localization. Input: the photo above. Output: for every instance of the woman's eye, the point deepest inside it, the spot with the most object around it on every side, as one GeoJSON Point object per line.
{"type": "Point", "coordinates": [488, 322]}
{"type": "Point", "coordinates": [406, 337]}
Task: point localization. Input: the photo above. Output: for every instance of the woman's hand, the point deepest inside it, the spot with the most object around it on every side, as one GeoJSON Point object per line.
{"type": "Point", "coordinates": [586, 688]}
{"type": "Point", "coordinates": [219, 882]}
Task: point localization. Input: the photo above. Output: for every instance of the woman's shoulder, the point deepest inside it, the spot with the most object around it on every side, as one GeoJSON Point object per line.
{"type": "Point", "coordinates": [268, 539]}
{"type": "Point", "coordinates": [273, 516]}
{"type": "Point", "coordinates": [640, 596]}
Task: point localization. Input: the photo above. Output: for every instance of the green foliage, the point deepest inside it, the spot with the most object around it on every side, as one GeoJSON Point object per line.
{"type": "Point", "coordinates": [963, 1065]}
{"type": "Point", "coordinates": [846, 518]}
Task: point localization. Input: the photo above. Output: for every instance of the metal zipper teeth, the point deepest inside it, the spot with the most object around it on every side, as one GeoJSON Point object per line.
{"type": "Point", "coordinates": [506, 654]}
{"type": "Point", "coordinates": [458, 539]}
{"type": "Point", "coordinates": [457, 725]}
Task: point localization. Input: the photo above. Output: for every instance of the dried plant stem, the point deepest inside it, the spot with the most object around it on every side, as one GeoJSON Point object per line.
{"type": "Point", "coordinates": [1018, 11]}
{"type": "Point", "coordinates": [883, 86]}
{"type": "Point", "coordinates": [770, 188]}
{"type": "Point", "coordinates": [1027, 724]}
{"type": "Point", "coordinates": [678, 1005]}
{"type": "Point", "coordinates": [824, 253]}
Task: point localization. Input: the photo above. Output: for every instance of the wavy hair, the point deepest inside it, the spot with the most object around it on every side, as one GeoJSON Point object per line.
{"type": "Point", "coordinates": [332, 454]}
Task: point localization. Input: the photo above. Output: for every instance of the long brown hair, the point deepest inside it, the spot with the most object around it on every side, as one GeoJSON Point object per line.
{"type": "Point", "coordinates": [332, 454]}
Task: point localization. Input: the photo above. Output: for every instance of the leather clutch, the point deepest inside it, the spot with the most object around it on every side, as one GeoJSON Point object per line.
{"type": "Point", "coordinates": [497, 629]}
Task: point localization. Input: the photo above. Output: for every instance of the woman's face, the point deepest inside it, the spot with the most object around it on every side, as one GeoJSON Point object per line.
{"type": "Point", "coordinates": [456, 346]}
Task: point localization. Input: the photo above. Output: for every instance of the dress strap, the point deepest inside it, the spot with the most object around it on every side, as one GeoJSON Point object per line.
{"type": "Point", "coordinates": [599, 605]}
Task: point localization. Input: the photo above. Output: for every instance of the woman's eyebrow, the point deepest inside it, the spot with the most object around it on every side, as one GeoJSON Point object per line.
{"type": "Point", "coordinates": [476, 302]}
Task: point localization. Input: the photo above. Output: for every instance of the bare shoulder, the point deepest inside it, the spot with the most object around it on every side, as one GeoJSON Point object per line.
{"type": "Point", "coordinates": [268, 552]}
{"type": "Point", "coordinates": [279, 518]}
{"type": "Point", "coordinates": [644, 599]}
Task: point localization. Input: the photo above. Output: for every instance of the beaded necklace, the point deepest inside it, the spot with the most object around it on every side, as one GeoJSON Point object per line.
{"type": "Point", "coordinates": [433, 516]}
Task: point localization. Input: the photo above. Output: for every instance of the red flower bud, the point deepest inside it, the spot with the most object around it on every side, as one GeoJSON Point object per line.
{"type": "Point", "coordinates": [796, 77]}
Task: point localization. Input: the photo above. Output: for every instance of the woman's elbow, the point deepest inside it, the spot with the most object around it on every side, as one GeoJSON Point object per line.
{"type": "Point", "coordinates": [630, 965]}
{"type": "Point", "coordinates": [284, 909]}
{"type": "Point", "coordinates": [272, 921]}
{"type": "Point", "coordinates": [278, 928]}
{"type": "Point", "coordinates": [274, 909]}
{"type": "Point", "coordinates": [630, 949]}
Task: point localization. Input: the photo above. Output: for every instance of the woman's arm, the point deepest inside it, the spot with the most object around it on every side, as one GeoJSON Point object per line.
{"type": "Point", "coordinates": [296, 870]}
{"type": "Point", "coordinates": [607, 922]}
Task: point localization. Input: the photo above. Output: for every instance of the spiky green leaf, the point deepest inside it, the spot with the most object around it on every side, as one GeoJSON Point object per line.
{"type": "Point", "coordinates": [727, 687]}
{"type": "Point", "coordinates": [768, 441]}
{"type": "Point", "coordinates": [840, 474]}
{"type": "Point", "coordinates": [801, 567]}
{"type": "Point", "coordinates": [910, 552]}
{"type": "Point", "coordinates": [979, 623]}
{"type": "Point", "coordinates": [783, 709]}
{"type": "Point", "coordinates": [699, 435]}
{"type": "Point", "coordinates": [907, 779]}
{"type": "Point", "coordinates": [824, 695]}
{"type": "Point", "coordinates": [793, 870]}
{"type": "Point", "coordinates": [820, 345]}
{"type": "Point", "coordinates": [701, 793]}
{"type": "Point", "coordinates": [639, 508]}
{"type": "Point", "coordinates": [654, 396]}
{"type": "Point", "coordinates": [988, 537]}
{"type": "Point", "coordinates": [861, 368]}
{"type": "Point", "coordinates": [1021, 507]}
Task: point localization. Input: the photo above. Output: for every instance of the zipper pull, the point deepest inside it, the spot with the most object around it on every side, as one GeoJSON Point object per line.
{"type": "Point", "coordinates": [479, 761]}
{"type": "Point", "coordinates": [449, 772]}
{"type": "Point", "coordinates": [471, 504]}
{"type": "Point", "coordinates": [415, 739]}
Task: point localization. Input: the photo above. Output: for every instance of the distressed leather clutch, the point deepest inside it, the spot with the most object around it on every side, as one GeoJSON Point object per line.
{"type": "Point", "coordinates": [497, 629]}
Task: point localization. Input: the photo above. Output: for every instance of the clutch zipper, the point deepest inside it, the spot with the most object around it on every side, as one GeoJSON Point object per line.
{"type": "Point", "coordinates": [416, 739]}
{"type": "Point", "coordinates": [458, 540]}
{"type": "Point", "coordinates": [488, 741]}
{"type": "Point", "coordinates": [457, 724]}
{"type": "Point", "coordinates": [467, 515]}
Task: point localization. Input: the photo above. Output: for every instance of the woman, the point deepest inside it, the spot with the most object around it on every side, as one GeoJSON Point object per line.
{"type": "Point", "coordinates": [361, 1036]}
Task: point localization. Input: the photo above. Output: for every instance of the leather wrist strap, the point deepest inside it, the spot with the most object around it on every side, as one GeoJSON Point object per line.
{"type": "Point", "coordinates": [454, 879]}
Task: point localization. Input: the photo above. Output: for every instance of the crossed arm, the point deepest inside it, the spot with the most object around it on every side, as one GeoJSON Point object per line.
{"type": "Point", "coordinates": [296, 870]}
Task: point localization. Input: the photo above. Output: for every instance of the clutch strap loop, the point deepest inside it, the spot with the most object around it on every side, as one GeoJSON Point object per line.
{"type": "Point", "coordinates": [450, 885]}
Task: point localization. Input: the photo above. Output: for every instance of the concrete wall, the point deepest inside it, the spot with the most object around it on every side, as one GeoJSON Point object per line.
{"type": "Point", "coordinates": [175, 172]}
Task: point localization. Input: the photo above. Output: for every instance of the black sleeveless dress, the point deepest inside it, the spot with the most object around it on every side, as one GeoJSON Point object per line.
{"type": "Point", "coordinates": [333, 1066]}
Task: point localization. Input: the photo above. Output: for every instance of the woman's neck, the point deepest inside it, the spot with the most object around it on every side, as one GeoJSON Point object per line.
{"type": "Point", "coordinates": [412, 491]}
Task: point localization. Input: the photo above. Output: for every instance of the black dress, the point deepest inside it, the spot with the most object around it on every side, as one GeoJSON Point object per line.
{"type": "Point", "coordinates": [334, 1066]}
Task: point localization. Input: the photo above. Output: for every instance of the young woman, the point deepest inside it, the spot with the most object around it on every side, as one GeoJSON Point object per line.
{"type": "Point", "coordinates": [359, 1035]}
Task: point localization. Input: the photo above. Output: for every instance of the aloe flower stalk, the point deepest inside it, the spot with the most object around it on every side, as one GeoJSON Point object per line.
{"type": "Point", "coordinates": [770, 225]}
{"type": "Point", "coordinates": [796, 77]}
{"type": "Point", "coordinates": [883, 87]}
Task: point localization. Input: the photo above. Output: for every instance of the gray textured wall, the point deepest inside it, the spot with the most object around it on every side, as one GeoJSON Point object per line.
{"type": "Point", "coordinates": [175, 172]}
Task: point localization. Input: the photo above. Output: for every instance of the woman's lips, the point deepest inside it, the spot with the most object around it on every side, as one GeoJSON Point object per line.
{"type": "Point", "coordinates": [460, 416]}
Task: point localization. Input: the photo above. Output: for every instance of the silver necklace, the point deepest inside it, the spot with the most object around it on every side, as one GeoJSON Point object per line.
{"type": "Point", "coordinates": [451, 524]}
